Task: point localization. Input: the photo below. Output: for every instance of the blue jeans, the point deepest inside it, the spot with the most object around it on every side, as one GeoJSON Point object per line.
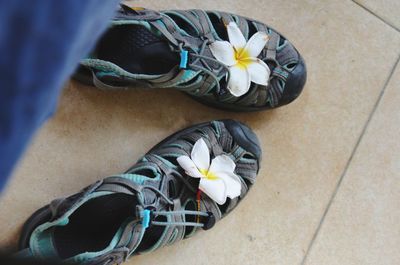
{"type": "Point", "coordinates": [41, 43]}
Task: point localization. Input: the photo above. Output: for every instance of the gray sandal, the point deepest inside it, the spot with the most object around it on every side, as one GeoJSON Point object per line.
{"type": "Point", "coordinates": [185, 50]}
{"type": "Point", "coordinates": [189, 181]}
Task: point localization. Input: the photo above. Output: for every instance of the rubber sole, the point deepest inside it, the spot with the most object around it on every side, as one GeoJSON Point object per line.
{"type": "Point", "coordinates": [37, 218]}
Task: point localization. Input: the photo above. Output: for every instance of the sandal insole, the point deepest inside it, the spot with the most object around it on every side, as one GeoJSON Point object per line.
{"type": "Point", "coordinates": [93, 225]}
{"type": "Point", "coordinates": [137, 50]}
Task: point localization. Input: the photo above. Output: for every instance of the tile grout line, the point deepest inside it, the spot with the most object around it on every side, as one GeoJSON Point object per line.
{"type": "Point", "coordinates": [375, 15]}
{"type": "Point", "coordinates": [309, 248]}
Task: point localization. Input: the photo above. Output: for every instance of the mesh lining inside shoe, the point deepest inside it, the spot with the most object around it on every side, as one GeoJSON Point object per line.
{"type": "Point", "coordinates": [137, 50]}
{"type": "Point", "coordinates": [93, 225]}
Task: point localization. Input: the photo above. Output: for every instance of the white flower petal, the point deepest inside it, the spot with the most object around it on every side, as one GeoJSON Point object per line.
{"type": "Point", "coordinates": [239, 80]}
{"type": "Point", "coordinates": [235, 36]}
{"type": "Point", "coordinates": [188, 165]}
{"type": "Point", "coordinates": [223, 51]}
{"type": "Point", "coordinates": [233, 184]}
{"type": "Point", "coordinates": [215, 189]}
{"type": "Point", "coordinates": [201, 155]}
{"type": "Point", "coordinates": [259, 71]}
{"type": "Point", "coordinates": [256, 44]}
{"type": "Point", "coordinates": [222, 163]}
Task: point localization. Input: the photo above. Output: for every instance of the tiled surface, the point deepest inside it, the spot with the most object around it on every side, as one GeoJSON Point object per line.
{"type": "Point", "coordinates": [349, 54]}
{"type": "Point", "coordinates": [388, 10]}
{"type": "Point", "coordinates": [363, 224]}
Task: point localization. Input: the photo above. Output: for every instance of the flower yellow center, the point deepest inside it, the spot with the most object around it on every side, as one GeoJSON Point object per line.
{"type": "Point", "coordinates": [242, 56]}
{"type": "Point", "coordinates": [208, 175]}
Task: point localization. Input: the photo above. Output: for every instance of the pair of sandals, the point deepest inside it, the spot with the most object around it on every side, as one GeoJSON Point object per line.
{"type": "Point", "coordinates": [193, 178]}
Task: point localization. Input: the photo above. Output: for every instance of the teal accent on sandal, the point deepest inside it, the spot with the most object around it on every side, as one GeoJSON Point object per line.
{"type": "Point", "coordinates": [184, 59]}
{"type": "Point", "coordinates": [102, 74]}
{"type": "Point", "coordinates": [187, 75]}
{"type": "Point", "coordinates": [146, 219]}
{"type": "Point", "coordinates": [109, 67]}
{"type": "Point", "coordinates": [139, 179]}
{"type": "Point", "coordinates": [131, 22]}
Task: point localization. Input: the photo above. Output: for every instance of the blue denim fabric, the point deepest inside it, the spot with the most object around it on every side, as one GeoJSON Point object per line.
{"type": "Point", "coordinates": [41, 43]}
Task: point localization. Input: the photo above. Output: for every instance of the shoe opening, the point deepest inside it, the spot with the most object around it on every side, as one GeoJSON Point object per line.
{"type": "Point", "coordinates": [137, 50]}
{"type": "Point", "coordinates": [92, 226]}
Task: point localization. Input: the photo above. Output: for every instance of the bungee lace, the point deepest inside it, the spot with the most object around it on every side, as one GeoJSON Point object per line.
{"type": "Point", "coordinates": [203, 59]}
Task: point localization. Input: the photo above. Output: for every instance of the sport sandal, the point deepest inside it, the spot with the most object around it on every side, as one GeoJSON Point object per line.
{"type": "Point", "coordinates": [188, 181]}
{"type": "Point", "coordinates": [220, 59]}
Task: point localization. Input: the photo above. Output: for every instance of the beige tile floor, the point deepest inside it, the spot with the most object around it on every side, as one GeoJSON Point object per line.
{"type": "Point", "coordinates": [329, 187]}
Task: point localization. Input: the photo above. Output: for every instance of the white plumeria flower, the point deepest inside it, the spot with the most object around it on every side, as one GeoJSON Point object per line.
{"type": "Point", "coordinates": [241, 59]}
{"type": "Point", "coordinates": [217, 179]}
